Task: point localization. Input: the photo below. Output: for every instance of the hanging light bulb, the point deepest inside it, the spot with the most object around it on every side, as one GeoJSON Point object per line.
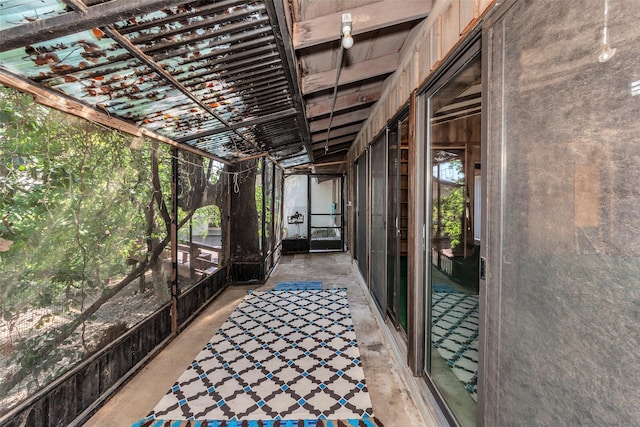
{"type": "Point", "coordinates": [607, 53]}
{"type": "Point", "coordinates": [347, 40]}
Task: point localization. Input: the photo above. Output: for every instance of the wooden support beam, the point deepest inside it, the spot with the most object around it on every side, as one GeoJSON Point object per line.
{"type": "Point", "coordinates": [372, 68]}
{"type": "Point", "coordinates": [367, 18]}
{"type": "Point", "coordinates": [331, 156]}
{"type": "Point", "coordinates": [67, 105]}
{"type": "Point", "coordinates": [347, 130]}
{"type": "Point", "coordinates": [318, 165]}
{"type": "Point", "coordinates": [173, 232]}
{"type": "Point", "coordinates": [336, 141]}
{"type": "Point", "coordinates": [74, 22]}
{"type": "Point", "coordinates": [344, 102]}
{"type": "Point", "coordinates": [340, 120]}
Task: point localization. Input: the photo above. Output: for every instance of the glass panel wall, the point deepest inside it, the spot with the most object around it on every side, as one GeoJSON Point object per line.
{"type": "Point", "coordinates": [563, 294]}
{"type": "Point", "coordinates": [326, 212]}
{"type": "Point", "coordinates": [392, 225]}
{"type": "Point", "coordinates": [361, 215]}
{"type": "Point", "coordinates": [378, 236]}
{"type": "Point", "coordinates": [83, 239]}
{"type": "Point", "coordinates": [454, 161]}
{"type": "Point", "coordinates": [295, 214]}
{"type": "Point", "coordinates": [398, 221]}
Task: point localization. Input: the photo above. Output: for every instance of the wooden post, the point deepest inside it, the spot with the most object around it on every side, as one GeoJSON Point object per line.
{"type": "Point", "coordinates": [174, 240]}
{"type": "Point", "coordinates": [227, 246]}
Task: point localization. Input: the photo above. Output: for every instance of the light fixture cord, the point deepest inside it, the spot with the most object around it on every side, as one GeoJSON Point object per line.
{"type": "Point", "coordinates": [605, 32]}
{"type": "Point", "coordinates": [335, 93]}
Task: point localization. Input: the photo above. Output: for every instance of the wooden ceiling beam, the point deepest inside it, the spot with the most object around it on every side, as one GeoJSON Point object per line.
{"type": "Point", "coordinates": [347, 130]}
{"type": "Point", "coordinates": [367, 18]}
{"type": "Point", "coordinates": [372, 68]}
{"type": "Point", "coordinates": [331, 156]}
{"type": "Point", "coordinates": [343, 102]}
{"type": "Point", "coordinates": [332, 142]}
{"type": "Point", "coordinates": [340, 120]}
{"type": "Point", "coordinates": [74, 22]}
{"type": "Point", "coordinates": [319, 165]}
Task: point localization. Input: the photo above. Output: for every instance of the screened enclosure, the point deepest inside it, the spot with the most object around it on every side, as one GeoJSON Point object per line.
{"type": "Point", "coordinates": [91, 279]}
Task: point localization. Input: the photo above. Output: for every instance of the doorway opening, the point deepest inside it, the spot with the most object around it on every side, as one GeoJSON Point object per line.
{"type": "Point", "coordinates": [313, 218]}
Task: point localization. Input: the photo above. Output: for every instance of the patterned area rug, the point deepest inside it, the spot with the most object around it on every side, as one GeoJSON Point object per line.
{"type": "Point", "coordinates": [455, 335]}
{"type": "Point", "coordinates": [289, 357]}
{"type": "Point", "coordinates": [298, 286]}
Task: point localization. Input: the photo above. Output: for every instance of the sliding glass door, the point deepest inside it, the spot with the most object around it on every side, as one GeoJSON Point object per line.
{"type": "Point", "coordinates": [454, 165]}
{"type": "Point", "coordinates": [361, 215]}
{"type": "Point", "coordinates": [398, 221]}
{"type": "Point", "coordinates": [378, 235]}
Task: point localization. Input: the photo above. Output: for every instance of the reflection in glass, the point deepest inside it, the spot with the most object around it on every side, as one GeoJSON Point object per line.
{"type": "Point", "coordinates": [454, 246]}
{"type": "Point", "coordinates": [326, 213]}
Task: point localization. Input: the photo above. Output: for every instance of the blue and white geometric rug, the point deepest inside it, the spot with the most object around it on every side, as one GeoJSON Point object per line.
{"type": "Point", "coordinates": [454, 333]}
{"type": "Point", "coordinates": [282, 357]}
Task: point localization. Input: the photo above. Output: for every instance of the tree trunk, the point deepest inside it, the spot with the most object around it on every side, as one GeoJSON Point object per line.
{"type": "Point", "coordinates": [245, 224]}
{"type": "Point", "coordinates": [159, 278]}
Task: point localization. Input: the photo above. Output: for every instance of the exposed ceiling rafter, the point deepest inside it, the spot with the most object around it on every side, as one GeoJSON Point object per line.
{"type": "Point", "coordinates": [367, 18]}
{"type": "Point", "coordinates": [333, 142]}
{"type": "Point", "coordinates": [336, 132]}
{"type": "Point", "coordinates": [263, 119]}
{"type": "Point", "coordinates": [372, 68]}
{"type": "Point", "coordinates": [340, 120]}
{"type": "Point", "coordinates": [344, 102]}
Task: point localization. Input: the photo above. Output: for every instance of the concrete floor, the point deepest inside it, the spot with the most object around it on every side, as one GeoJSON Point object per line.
{"type": "Point", "coordinates": [390, 394]}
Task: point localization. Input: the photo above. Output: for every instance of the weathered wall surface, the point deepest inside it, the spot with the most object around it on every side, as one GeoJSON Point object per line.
{"type": "Point", "coordinates": [563, 167]}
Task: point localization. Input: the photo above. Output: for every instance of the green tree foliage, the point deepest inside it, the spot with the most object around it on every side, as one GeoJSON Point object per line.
{"type": "Point", "coordinates": [76, 202]}
{"type": "Point", "coordinates": [79, 204]}
{"type": "Point", "coordinates": [451, 210]}
{"type": "Point", "coordinates": [70, 195]}
{"type": "Point", "coordinates": [448, 213]}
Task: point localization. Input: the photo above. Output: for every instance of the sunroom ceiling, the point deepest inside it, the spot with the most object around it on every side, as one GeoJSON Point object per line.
{"type": "Point", "coordinates": [211, 75]}
{"type": "Point", "coordinates": [226, 78]}
{"type": "Point", "coordinates": [380, 29]}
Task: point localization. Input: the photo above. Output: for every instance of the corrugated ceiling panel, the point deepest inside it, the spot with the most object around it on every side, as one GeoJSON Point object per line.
{"type": "Point", "coordinates": [201, 67]}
